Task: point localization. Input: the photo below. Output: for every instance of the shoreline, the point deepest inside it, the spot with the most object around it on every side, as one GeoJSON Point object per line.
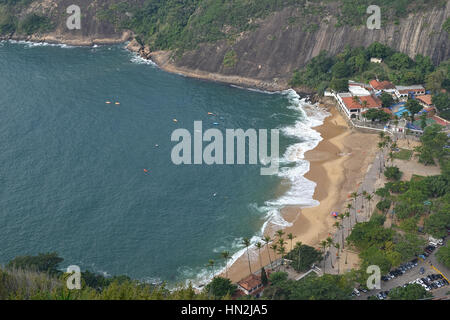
{"type": "Point", "coordinates": [310, 225]}
{"type": "Point", "coordinates": [163, 60]}
{"type": "Point", "coordinates": [80, 41]}
{"type": "Point", "coordinates": [337, 165]}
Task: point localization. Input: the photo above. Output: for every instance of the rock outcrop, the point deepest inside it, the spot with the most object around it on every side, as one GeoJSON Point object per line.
{"type": "Point", "coordinates": [268, 54]}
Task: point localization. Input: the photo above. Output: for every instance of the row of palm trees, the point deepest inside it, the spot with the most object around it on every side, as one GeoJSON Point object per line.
{"type": "Point", "coordinates": [277, 245]}
{"type": "Point", "coordinates": [385, 142]}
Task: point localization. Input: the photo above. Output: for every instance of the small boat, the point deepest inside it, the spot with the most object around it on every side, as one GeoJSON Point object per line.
{"type": "Point", "coordinates": [145, 170]}
{"type": "Point", "coordinates": [175, 120]}
{"type": "Point", "coordinates": [216, 123]}
{"type": "Point", "coordinates": [117, 103]}
{"type": "Point", "coordinates": [210, 113]}
{"type": "Point", "coordinates": [108, 102]}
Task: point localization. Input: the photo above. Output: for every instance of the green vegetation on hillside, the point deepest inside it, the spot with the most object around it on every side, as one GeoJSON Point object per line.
{"type": "Point", "coordinates": [323, 70]}
{"type": "Point", "coordinates": [31, 23]}
{"type": "Point", "coordinates": [353, 12]}
{"type": "Point", "coordinates": [183, 24]}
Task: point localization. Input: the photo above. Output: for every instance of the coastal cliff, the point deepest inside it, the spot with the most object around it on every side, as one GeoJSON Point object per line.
{"type": "Point", "coordinates": [264, 56]}
{"type": "Point", "coordinates": [276, 48]}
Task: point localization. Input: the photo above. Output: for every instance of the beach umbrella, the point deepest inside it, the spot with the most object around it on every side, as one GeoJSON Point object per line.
{"type": "Point", "coordinates": [334, 214]}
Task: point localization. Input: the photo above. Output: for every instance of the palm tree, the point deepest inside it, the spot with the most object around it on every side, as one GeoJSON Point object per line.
{"type": "Point", "coordinates": [274, 247]}
{"type": "Point", "coordinates": [337, 246]}
{"type": "Point", "coordinates": [347, 215]}
{"type": "Point", "coordinates": [330, 244]}
{"type": "Point", "coordinates": [211, 264]}
{"type": "Point", "coordinates": [381, 146]}
{"type": "Point", "coordinates": [246, 243]}
{"type": "Point", "coordinates": [323, 244]}
{"type": "Point", "coordinates": [259, 246]}
{"type": "Point", "coordinates": [364, 195]}
{"type": "Point", "coordinates": [291, 237]}
{"type": "Point", "coordinates": [280, 233]}
{"type": "Point", "coordinates": [298, 245]}
{"type": "Point", "coordinates": [369, 198]}
{"type": "Point", "coordinates": [226, 256]}
{"type": "Point", "coordinates": [354, 196]}
{"type": "Point", "coordinates": [267, 240]}
{"type": "Point", "coordinates": [282, 251]}
{"type": "Point", "coordinates": [349, 208]}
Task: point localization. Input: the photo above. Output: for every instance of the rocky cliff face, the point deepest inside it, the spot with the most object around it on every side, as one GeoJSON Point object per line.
{"type": "Point", "coordinates": [94, 30]}
{"type": "Point", "coordinates": [270, 53]}
{"type": "Point", "coordinates": [277, 48]}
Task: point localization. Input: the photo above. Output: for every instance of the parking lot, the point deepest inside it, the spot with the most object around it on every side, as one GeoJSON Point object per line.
{"type": "Point", "coordinates": [419, 271]}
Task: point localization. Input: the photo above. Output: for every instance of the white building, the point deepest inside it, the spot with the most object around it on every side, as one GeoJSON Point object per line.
{"type": "Point", "coordinates": [405, 91]}
{"type": "Point", "coordinates": [376, 60]}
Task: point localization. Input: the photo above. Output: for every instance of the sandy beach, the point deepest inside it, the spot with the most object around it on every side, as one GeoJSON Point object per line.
{"type": "Point", "coordinates": [337, 165]}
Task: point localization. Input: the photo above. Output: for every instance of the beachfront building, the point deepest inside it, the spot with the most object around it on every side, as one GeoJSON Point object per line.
{"type": "Point", "coordinates": [380, 86]}
{"type": "Point", "coordinates": [354, 106]}
{"type": "Point", "coordinates": [359, 89]}
{"type": "Point", "coordinates": [403, 92]}
{"type": "Point", "coordinates": [251, 285]}
{"type": "Point", "coordinates": [425, 100]}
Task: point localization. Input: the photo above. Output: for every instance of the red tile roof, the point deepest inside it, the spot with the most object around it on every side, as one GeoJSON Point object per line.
{"type": "Point", "coordinates": [250, 283]}
{"type": "Point", "coordinates": [372, 102]}
{"type": "Point", "coordinates": [425, 99]}
{"type": "Point", "coordinates": [383, 85]}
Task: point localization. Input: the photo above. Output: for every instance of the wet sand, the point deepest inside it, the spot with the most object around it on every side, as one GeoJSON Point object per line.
{"type": "Point", "coordinates": [337, 165]}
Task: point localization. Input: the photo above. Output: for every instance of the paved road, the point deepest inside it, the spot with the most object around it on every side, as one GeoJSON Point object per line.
{"type": "Point", "coordinates": [362, 213]}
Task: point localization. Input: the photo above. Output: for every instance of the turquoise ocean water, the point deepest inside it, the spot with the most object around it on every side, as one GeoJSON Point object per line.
{"type": "Point", "coordinates": [72, 174]}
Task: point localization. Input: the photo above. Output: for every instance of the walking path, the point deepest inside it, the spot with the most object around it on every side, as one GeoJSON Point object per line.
{"type": "Point", "coordinates": [357, 214]}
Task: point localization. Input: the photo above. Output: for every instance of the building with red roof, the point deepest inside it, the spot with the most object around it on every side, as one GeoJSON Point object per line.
{"type": "Point", "coordinates": [252, 285]}
{"type": "Point", "coordinates": [425, 100]}
{"type": "Point", "coordinates": [354, 106]}
{"type": "Point", "coordinates": [381, 85]}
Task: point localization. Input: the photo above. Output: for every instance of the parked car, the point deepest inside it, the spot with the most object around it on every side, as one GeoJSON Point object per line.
{"type": "Point", "coordinates": [422, 270]}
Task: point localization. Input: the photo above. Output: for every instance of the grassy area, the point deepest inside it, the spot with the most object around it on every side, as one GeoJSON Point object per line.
{"type": "Point", "coordinates": [403, 154]}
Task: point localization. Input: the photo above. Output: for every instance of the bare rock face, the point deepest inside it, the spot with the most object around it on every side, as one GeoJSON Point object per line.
{"type": "Point", "coordinates": [277, 48]}
{"type": "Point", "coordinates": [134, 46]}
{"type": "Point", "coordinates": [268, 54]}
{"type": "Point", "coordinates": [145, 52]}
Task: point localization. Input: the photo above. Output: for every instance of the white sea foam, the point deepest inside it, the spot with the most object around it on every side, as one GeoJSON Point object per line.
{"type": "Point", "coordinates": [136, 58]}
{"type": "Point", "coordinates": [295, 166]}
{"type": "Point", "coordinates": [31, 44]}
